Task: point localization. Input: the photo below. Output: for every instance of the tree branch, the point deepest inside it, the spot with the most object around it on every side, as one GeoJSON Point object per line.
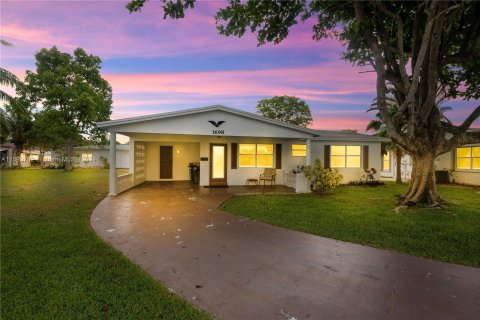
{"type": "Point", "coordinates": [408, 103]}
{"type": "Point", "coordinates": [433, 65]}
{"type": "Point", "coordinates": [381, 75]}
{"type": "Point", "coordinates": [470, 119]}
{"type": "Point", "coordinates": [400, 38]}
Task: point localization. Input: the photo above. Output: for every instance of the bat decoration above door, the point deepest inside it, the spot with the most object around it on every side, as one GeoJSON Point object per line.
{"type": "Point", "coordinates": [216, 124]}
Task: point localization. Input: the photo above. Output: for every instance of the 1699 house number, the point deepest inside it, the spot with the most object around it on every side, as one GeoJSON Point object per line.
{"type": "Point", "coordinates": [219, 132]}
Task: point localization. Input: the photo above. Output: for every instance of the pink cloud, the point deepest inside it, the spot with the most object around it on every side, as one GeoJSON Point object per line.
{"type": "Point", "coordinates": [336, 83]}
{"type": "Point", "coordinates": [340, 123]}
{"type": "Point", "coordinates": [143, 34]}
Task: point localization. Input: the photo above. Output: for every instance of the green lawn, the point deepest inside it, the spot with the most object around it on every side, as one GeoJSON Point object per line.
{"type": "Point", "coordinates": [366, 215]}
{"type": "Point", "coordinates": [54, 266]}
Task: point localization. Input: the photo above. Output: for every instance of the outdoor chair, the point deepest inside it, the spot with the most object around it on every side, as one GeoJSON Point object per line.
{"type": "Point", "coordinates": [268, 175]}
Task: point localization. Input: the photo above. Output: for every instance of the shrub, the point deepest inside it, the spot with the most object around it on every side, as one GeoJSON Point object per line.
{"type": "Point", "coordinates": [368, 179]}
{"type": "Point", "coordinates": [322, 179]}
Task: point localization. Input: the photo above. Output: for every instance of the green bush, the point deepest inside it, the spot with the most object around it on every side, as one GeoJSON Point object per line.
{"type": "Point", "coordinates": [322, 179]}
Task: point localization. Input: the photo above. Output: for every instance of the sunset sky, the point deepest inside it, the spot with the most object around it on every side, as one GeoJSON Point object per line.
{"type": "Point", "coordinates": [157, 65]}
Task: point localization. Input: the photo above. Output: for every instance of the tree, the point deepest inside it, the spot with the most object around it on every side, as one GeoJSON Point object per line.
{"type": "Point", "coordinates": [287, 109]}
{"type": "Point", "coordinates": [421, 51]}
{"type": "Point", "coordinates": [5, 128]}
{"type": "Point", "coordinates": [46, 133]}
{"type": "Point", "coordinates": [19, 115]}
{"type": "Point", "coordinates": [73, 94]}
{"type": "Point", "coordinates": [6, 77]}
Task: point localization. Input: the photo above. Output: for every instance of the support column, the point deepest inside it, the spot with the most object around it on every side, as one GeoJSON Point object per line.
{"type": "Point", "coordinates": [112, 181]}
{"type": "Point", "coordinates": [308, 160]}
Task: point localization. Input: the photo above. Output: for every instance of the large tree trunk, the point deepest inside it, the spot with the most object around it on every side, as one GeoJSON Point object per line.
{"type": "Point", "coordinates": [68, 163]}
{"type": "Point", "coordinates": [422, 187]}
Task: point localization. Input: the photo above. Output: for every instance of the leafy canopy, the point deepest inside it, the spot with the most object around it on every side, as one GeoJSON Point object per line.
{"type": "Point", "coordinates": [72, 92]}
{"type": "Point", "coordinates": [287, 109]}
{"type": "Point", "coordinates": [422, 51]}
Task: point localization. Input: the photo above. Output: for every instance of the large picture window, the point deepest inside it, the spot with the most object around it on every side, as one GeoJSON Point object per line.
{"type": "Point", "coordinates": [345, 156]}
{"type": "Point", "coordinates": [468, 158]}
{"type": "Point", "coordinates": [255, 155]}
{"type": "Point", "coordinates": [299, 150]}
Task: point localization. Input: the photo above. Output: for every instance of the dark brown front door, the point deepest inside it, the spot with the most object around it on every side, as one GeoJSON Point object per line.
{"type": "Point", "coordinates": [218, 164]}
{"type": "Point", "coordinates": [166, 162]}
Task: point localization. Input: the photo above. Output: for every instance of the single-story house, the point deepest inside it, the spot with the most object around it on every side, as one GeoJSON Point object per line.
{"type": "Point", "coordinates": [96, 156]}
{"type": "Point", "coordinates": [230, 146]}
{"type": "Point", "coordinates": [28, 158]}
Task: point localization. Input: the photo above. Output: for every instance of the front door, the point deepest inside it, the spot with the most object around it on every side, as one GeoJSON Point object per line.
{"type": "Point", "coordinates": [166, 162]}
{"type": "Point", "coordinates": [218, 164]}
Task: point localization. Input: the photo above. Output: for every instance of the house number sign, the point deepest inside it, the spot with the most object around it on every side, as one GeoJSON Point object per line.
{"type": "Point", "coordinates": [217, 124]}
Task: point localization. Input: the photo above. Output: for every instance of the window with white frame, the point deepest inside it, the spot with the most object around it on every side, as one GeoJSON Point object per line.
{"type": "Point", "coordinates": [299, 150]}
{"type": "Point", "coordinates": [345, 156]}
{"type": "Point", "coordinates": [468, 158]}
{"type": "Point", "coordinates": [252, 155]}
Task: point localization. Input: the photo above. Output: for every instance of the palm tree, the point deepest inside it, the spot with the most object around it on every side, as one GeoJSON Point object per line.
{"type": "Point", "coordinates": [6, 77]}
{"type": "Point", "coordinates": [5, 126]}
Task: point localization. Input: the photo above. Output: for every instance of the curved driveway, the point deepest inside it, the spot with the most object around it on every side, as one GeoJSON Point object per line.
{"type": "Point", "coordinates": [236, 268]}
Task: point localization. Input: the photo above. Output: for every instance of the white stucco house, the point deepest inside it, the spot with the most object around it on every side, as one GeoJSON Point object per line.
{"type": "Point", "coordinates": [28, 157]}
{"type": "Point", "coordinates": [231, 146]}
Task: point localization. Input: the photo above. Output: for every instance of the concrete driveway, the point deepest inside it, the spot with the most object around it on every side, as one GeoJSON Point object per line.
{"type": "Point", "coordinates": [236, 268]}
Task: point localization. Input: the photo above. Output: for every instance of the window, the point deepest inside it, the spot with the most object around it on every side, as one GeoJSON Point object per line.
{"type": "Point", "coordinates": [468, 158]}
{"type": "Point", "coordinates": [345, 156]}
{"type": "Point", "coordinates": [255, 155]}
{"type": "Point", "coordinates": [34, 157]}
{"type": "Point", "coordinates": [87, 157]}
{"type": "Point", "coordinates": [299, 150]}
{"type": "Point", "coordinates": [386, 161]}
{"type": "Point", "coordinates": [47, 158]}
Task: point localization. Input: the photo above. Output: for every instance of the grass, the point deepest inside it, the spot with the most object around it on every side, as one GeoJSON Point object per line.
{"type": "Point", "coordinates": [366, 215]}
{"type": "Point", "coordinates": [53, 265]}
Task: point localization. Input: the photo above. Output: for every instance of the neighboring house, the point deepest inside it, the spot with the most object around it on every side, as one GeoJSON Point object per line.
{"type": "Point", "coordinates": [94, 156]}
{"type": "Point", "coordinates": [461, 165]}
{"type": "Point", "coordinates": [28, 158]}
{"type": "Point", "coordinates": [231, 146]}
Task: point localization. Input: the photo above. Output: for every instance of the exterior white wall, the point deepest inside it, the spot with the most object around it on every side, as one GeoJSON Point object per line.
{"type": "Point", "coordinates": [122, 161]}
{"type": "Point", "coordinates": [444, 161]}
{"type": "Point", "coordinates": [183, 154]}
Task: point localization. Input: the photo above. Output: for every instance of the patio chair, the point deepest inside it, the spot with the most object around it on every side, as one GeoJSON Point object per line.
{"type": "Point", "coordinates": [268, 175]}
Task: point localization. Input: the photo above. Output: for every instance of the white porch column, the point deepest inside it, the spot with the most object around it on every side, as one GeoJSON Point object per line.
{"type": "Point", "coordinates": [112, 181]}
{"type": "Point", "coordinates": [308, 160]}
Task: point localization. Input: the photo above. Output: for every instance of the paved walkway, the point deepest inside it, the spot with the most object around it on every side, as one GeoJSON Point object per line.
{"type": "Point", "coordinates": [236, 268]}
